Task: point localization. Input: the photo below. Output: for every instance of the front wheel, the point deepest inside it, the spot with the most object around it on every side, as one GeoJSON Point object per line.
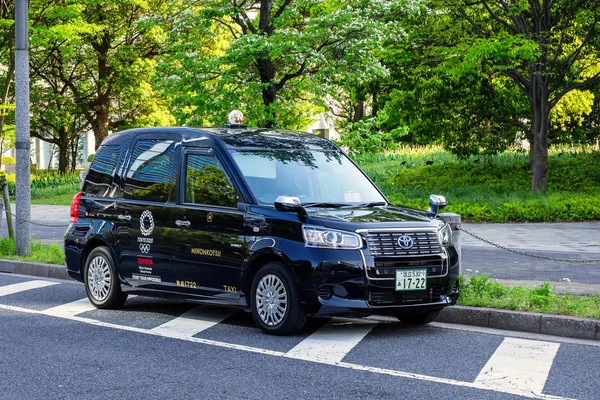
{"type": "Point", "coordinates": [101, 280]}
{"type": "Point", "coordinates": [275, 301]}
{"type": "Point", "coordinates": [418, 318]}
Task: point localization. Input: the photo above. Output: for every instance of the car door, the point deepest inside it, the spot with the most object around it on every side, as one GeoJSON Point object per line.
{"type": "Point", "coordinates": [209, 244]}
{"type": "Point", "coordinates": [146, 232]}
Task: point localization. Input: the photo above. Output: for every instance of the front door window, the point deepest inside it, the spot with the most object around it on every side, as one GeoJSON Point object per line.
{"type": "Point", "coordinates": [207, 183]}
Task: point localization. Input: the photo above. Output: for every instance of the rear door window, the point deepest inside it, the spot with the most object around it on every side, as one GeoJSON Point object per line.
{"type": "Point", "coordinates": [100, 177]}
{"type": "Point", "coordinates": [152, 174]}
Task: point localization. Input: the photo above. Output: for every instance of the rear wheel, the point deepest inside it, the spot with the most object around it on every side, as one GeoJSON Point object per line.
{"type": "Point", "coordinates": [101, 280]}
{"type": "Point", "coordinates": [418, 318]}
{"type": "Point", "coordinates": [275, 301]}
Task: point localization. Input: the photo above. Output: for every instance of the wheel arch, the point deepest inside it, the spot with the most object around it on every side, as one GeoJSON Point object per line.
{"type": "Point", "coordinates": [255, 264]}
{"type": "Point", "coordinates": [89, 247]}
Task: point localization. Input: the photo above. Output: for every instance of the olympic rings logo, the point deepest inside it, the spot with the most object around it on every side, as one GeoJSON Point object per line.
{"type": "Point", "coordinates": [146, 231]}
{"type": "Point", "coordinates": [144, 248]}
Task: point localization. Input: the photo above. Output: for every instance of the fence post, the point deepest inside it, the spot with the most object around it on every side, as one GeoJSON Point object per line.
{"type": "Point", "coordinates": [9, 221]}
{"type": "Point", "coordinates": [454, 221]}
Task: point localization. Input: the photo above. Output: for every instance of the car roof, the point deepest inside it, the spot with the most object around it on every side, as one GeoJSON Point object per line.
{"type": "Point", "coordinates": [238, 138]}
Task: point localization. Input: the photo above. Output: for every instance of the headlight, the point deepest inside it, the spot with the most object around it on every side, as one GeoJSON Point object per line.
{"type": "Point", "coordinates": [445, 235]}
{"type": "Point", "coordinates": [316, 236]}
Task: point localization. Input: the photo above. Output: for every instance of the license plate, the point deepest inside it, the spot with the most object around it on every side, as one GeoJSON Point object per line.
{"type": "Point", "coordinates": [411, 279]}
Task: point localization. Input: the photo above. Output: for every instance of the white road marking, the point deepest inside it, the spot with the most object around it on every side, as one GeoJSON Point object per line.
{"type": "Point", "coordinates": [519, 364]}
{"type": "Point", "coordinates": [21, 287]}
{"type": "Point", "coordinates": [332, 341]}
{"type": "Point", "coordinates": [357, 367]}
{"type": "Point", "coordinates": [193, 322]}
{"type": "Point", "coordinates": [522, 335]}
{"type": "Point", "coordinates": [71, 309]}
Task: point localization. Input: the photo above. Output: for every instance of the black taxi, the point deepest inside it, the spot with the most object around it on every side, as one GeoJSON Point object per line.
{"type": "Point", "coordinates": [281, 224]}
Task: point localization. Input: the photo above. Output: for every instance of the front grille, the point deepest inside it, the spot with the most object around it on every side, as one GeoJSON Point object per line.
{"type": "Point", "coordinates": [386, 267]}
{"type": "Point", "coordinates": [391, 297]}
{"type": "Point", "coordinates": [385, 244]}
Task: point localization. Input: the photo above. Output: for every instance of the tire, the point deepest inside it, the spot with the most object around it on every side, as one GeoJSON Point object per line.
{"type": "Point", "coordinates": [102, 284]}
{"type": "Point", "coordinates": [418, 318]}
{"type": "Point", "coordinates": [273, 289]}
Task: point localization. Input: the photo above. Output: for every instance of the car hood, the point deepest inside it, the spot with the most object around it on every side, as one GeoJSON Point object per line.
{"type": "Point", "coordinates": [372, 217]}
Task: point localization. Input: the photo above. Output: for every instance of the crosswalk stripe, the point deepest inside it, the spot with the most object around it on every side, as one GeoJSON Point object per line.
{"type": "Point", "coordinates": [21, 287]}
{"type": "Point", "coordinates": [332, 341]}
{"type": "Point", "coordinates": [71, 309]}
{"type": "Point", "coordinates": [193, 322]}
{"type": "Point", "coordinates": [519, 364]}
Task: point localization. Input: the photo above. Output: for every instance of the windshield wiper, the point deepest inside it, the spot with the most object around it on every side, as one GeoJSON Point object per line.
{"type": "Point", "coordinates": [372, 204]}
{"type": "Point", "coordinates": [327, 205]}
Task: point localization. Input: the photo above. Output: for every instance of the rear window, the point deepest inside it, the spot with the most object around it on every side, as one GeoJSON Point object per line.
{"type": "Point", "coordinates": [151, 175]}
{"type": "Point", "coordinates": [99, 179]}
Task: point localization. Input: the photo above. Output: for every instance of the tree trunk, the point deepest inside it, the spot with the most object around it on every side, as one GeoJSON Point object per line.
{"type": "Point", "coordinates": [101, 107]}
{"type": "Point", "coordinates": [63, 150]}
{"type": "Point", "coordinates": [538, 151]}
{"type": "Point", "coordinates": [269, 94]}
{"type": "Point", "coordinates": [74, 152]}
{"type": "Point", "coordinates": [359, 111]}
{"type": "Point", "coordinates": [100, 123]}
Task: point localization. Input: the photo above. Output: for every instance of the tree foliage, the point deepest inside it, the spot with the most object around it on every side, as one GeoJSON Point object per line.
{"type": "Point", "coordinates": [274, 59]}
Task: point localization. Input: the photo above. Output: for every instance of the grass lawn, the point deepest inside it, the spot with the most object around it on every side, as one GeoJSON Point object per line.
{"type": "Point", "coordinates": [481, 189]}
{"type": "Point", "coordinates": [43, 253]}
{"type": "Point", "coordinates": [491, 189]}
{"type": "Point", "coordinates": [55, 200]}
{"type": "Point", "coordinates": [480, 291]}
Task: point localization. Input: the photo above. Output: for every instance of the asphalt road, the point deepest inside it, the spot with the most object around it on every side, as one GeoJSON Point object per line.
{"type": "Point", "coordinates": [53, 344]}
{"type": "Point", "coordinates": [579, 240]}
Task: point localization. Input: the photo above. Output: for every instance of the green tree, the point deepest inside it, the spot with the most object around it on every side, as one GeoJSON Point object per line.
{"type": "Point", "coordinates": [546, 48]}
{"type": "Point", "coordinates": [103, 51]}
{"type": "Point", "coordinates": [273, 58]}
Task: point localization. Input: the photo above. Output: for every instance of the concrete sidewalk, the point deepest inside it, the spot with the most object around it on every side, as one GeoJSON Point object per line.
{"type": "Point", "coordinates": [43, 214]}
{"type": "Point", "coordinates": [578, 240]}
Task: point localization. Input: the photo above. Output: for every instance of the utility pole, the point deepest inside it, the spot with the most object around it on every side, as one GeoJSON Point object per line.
{"type": "Point", "coordinates": [23, 186]}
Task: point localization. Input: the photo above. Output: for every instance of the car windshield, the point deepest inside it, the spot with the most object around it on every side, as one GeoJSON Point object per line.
{"type": "Point", "coordinates": [317, 178]}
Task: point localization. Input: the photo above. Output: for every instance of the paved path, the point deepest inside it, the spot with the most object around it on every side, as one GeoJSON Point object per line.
{"type": "Point", "coordinates": [579, 240]}
{"type": "Point", "coordinates": [55, 344]}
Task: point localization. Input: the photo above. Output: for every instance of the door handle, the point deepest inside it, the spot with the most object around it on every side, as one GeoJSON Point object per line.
{"type": "Point", "coordinates": [183, 224]}
{"type": "Point", "coordinates": [124, 217]}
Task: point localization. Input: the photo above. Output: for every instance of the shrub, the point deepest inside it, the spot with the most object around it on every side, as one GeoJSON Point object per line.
{"type": "Point", "coordinates": [8, 160]}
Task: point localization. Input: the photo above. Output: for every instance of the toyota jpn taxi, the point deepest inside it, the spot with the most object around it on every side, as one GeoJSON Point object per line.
{"type": "Point", "coordinates": [281, 224]}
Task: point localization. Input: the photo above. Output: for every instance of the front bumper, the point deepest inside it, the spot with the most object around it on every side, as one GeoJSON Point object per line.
{"type": "Point", "coordinates": [343, 289]}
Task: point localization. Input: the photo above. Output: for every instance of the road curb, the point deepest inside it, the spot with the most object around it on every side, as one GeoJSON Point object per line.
{"type": "Point", "coordinates": [34, 269]}
{"type": "Point", "coordinates": [547, 324]}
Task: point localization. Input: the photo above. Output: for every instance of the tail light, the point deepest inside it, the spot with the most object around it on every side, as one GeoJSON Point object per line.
{"type": "Point", "coordinates": [75, 207]}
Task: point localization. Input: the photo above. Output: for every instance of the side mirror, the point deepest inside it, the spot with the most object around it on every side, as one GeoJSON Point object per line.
{"type": "Point", "coordinates": [436, 203]}
{"type": "Point", "coordinates": [288, 203]}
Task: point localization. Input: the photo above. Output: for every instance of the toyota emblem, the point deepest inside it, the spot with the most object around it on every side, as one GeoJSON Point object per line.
{"type": "Point", "coordinates": [405, 242]}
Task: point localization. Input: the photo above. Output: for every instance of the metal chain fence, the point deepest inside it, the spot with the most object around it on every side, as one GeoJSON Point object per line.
{"type": "Point", "coordinates": [533, 255]}
{"type": "Point", "coordinates": [36, 223]}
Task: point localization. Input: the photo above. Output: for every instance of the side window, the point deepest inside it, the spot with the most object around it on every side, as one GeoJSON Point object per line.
{"type": "Point", "coordinates": [99, 179]}
{"type": "Point", "coordinates": [151, 175]}
{"type": "Point", "coordinates": [206, 182]}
